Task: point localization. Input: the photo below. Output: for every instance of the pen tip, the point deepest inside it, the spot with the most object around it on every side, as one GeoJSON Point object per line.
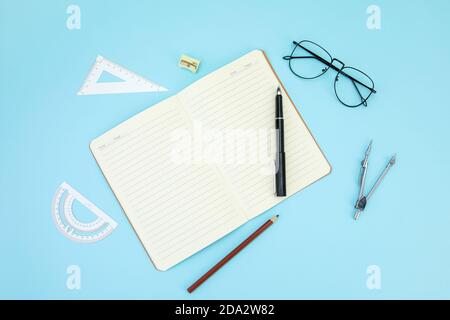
{"type": "Point", "coordinates": [278, 90]}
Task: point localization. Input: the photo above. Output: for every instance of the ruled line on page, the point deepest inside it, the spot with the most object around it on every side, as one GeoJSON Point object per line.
{"type": "Point", "coordinates": [164, 199]}
{"type": "Point", "coordinates": [249, 102]}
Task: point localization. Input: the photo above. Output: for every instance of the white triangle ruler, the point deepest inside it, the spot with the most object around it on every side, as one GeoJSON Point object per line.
{"type": "Point", "coordinates": [70, 226]}
{"type": "Point", "coordinates": [131, 81]}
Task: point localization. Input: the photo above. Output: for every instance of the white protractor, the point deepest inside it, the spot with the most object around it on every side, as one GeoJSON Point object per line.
{"type": "Point", "coordinates": [70, 226]}
{"type": "Point", "coordinates": [131, 81]}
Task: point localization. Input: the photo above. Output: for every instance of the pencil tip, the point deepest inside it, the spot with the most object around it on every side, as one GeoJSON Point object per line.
{"type": "Point", "coordinates": [274, 218]}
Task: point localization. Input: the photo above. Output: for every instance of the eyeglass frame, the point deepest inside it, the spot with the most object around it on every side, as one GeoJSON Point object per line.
{"type": "Point", "coordinates": [332, 66]}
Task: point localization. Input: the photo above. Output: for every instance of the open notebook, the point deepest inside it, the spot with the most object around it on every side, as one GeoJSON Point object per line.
{"type": "Point", "coordinates": [179, 207]}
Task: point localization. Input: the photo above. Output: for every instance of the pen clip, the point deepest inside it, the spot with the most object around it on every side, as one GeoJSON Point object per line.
{"type": "Point", "coordinates": [274, 178]}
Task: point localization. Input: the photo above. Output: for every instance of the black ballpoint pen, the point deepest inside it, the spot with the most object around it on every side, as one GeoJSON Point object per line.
{"type": "Point", "coordinates": [280, 175]}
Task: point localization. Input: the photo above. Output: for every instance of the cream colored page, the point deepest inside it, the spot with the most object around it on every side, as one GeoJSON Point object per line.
{"type": "Point", "coordinates": [240, 97]}
{"type": "Point", "coordinates": [176, 208]}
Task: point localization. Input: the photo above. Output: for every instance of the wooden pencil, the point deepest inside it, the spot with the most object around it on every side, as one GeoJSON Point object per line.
{"type": "Point", "coordinates": [233, 253]}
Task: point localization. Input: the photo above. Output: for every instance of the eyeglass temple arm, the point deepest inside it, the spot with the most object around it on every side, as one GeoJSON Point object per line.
{"type": "Point", "coordinates": [298, 57]}
{"type": "Point", "coordinates": [364, 102]}
{"type": "Point", "coordinates": [353, 79]}
{"type": "Point", "coordinates": [330, 65]}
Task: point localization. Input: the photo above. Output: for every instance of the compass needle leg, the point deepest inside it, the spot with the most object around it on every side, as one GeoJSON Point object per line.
{"type": "Point", "coordinates": [362, 180]}
{"type": "Point", "coordinates": [381, 177]}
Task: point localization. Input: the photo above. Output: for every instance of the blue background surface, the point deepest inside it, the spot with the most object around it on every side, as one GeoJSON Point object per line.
{"type": "Point", "coordinates": [316, 250]}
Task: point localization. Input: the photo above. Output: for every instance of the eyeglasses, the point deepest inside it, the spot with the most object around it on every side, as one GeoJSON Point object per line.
{"type": "Point", "coordinates": [309, 60]}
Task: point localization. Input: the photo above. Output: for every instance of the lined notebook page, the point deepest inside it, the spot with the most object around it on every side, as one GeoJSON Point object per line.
{"type": "Point", "coordinates": [175, 209]}
{"type": "Point", "coordinates": [241, 97]}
